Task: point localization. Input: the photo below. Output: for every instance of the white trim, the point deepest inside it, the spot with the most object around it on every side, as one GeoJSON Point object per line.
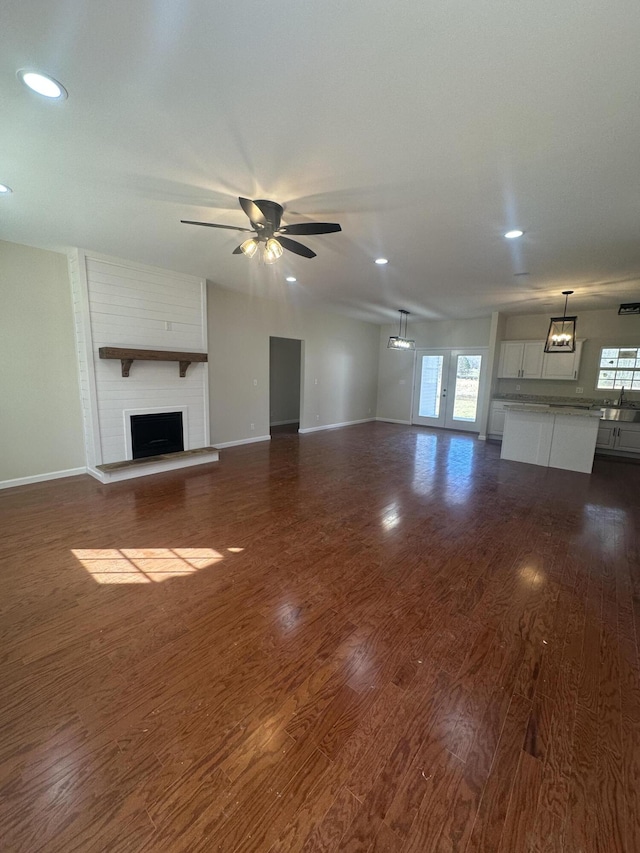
{"type": "Point", "coordinates": [283, 423]}
{"type": "Point", "coordinates": [40, 478]}
{"type": "Point", "coordinates": [336, 426]}
{"type": "Point", "coordinates": [158, 410]}
{"type": "Point", "coordinates": [393, 421]}
{"type": "Point", "coordinates": [205, 347]}
{"type": "Point", "coordinates": [93, 455]}
{"type": "Point", "coordinates": [243, 441]}
{"type": "Point", "coordinates": [482, 438]}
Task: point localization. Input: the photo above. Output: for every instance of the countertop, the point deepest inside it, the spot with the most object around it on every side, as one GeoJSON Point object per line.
{"type": "Point", "coordinates": [541, 409]}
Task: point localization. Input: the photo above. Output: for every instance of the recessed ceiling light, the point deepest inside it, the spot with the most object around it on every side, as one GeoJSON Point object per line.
{"type": "Point", "coordinates": [382, 261]}
{"type": "Point", "coordinates": [511, 235]}
{"type": "Point", "coordinates": [5, 190]}
{"type": "Point", "coordinates": [43, 84]}
{"type": "Point", "coordinates": [291, 278]}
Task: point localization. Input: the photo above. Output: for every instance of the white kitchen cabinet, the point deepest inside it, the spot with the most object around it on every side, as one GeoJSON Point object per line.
{"type": "Point", "coordinates": [532, 358]}
{"type": "Point", "coordinates": [551, 437]}
{"type": "Point", "coordinates": [606, 434]}
{"type": "Point", "coordinates": [521, 360]}
{"type": "Point", "coordinates": [562, 365]}
{"type": "Point", "coordinates": [496, 419]}
{"type": "Point", "coordinates": [628, 438]}
{"type": "Point", "coordinates": [613, 435]}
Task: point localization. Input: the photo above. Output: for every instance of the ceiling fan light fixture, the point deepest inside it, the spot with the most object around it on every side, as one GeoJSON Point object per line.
{"type": "Point", "coordinates": [401, 341]}
{"type": "Point", "coordinates": [272, 251]}
{"type": "Point", "coordinates": [249, 247]}
{"type": "Point", "coordinates": [265, 220]}
{"type": "Point", "coordinates": [561, 336]}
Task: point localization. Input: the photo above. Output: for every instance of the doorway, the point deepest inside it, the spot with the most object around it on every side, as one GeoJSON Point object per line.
{"type": "Point", "coordinates": [285, 371]}
{"type": "Point", "coordinates": [448, 388]}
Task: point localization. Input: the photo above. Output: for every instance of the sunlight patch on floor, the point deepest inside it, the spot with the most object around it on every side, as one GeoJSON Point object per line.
{"type": "Point", "coordinates": [144, 565]}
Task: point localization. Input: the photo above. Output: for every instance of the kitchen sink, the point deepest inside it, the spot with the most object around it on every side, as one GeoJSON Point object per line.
{"type": "Point", "coordinates": [627, 415]}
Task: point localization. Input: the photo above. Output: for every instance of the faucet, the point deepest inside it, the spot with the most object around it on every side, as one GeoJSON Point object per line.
{"type": "Point", "coordinates": [622, 400]}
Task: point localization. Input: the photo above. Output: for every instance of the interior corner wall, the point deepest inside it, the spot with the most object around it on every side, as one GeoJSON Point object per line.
{"type": "Point", "coordinates": [40, 416]}
{"type": "Point", "coordinates": [396, 368]}
{"type": "Point", "coordinates": [339, 373]}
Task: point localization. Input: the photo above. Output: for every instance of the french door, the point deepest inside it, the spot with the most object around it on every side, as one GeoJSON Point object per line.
{"type": "Point", "coordinates": [448, 388]}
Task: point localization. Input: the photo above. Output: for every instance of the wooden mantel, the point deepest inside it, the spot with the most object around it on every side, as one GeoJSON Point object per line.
{"type": "Point", "coordinates": [128, 356]}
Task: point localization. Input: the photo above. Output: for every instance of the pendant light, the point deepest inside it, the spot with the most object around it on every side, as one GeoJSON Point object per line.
{"type": "Point", "coordinates": [561, 336]}
{"type": "Point", "coordinates": [400, 341]}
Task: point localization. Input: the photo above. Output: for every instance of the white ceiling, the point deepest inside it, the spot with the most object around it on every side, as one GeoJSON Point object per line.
{"type": "Point", "coordinates": [427, 129]}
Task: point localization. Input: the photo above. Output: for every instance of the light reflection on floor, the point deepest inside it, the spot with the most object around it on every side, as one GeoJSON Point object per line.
{"type": "Point", "coordinates": [145, 565]}
{"type": "Point", "coordinates": [424, 464]}
{"type": "Point", "coordinates": [459, 467]}
{"type": "Point", "coordinates": [448, 476]}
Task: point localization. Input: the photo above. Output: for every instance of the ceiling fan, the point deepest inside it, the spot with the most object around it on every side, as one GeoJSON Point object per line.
{"type": "Point", "coordinates": [265, 217]}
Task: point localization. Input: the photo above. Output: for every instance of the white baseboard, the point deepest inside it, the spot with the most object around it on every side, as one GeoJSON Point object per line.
{"type": "Point", "coordinates": [393, 421]}
{"type": "Point", "coordinates": [284, 423]}
{"type": "Point", "coordinates": [40, 478]}
{"type": "Point", "coordinates": [336, 426]}
{"type": "Point", "coordinates": [221, 444]}
{"type": "Point", "coordinates": [482, 438]}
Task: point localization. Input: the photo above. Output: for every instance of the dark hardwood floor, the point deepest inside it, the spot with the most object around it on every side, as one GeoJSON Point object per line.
{"type": "Point", "coordinates": [380, 638]}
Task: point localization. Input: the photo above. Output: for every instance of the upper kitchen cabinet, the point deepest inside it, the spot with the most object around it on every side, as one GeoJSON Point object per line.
{"type": "Point", "coordinates": [521, 360]}
{"type": "Point", "coordinates": [562, 365]}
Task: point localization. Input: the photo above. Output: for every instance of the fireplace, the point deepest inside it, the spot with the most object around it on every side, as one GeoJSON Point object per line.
{"type": "Point", "coordinates": [155, 434]}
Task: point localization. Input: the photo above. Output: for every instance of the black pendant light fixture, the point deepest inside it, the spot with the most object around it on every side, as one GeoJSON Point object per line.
{"type": "Point", "coordinates": [400, 341]}
{"type": "Point", "coordinates": [561, 336]}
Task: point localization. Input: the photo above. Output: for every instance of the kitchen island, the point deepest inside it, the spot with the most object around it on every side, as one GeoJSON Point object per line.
{"type": "Point", "coordinates": [552, 437]}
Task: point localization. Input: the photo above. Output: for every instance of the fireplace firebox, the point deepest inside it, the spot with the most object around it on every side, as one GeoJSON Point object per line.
{"type": "Point", "coordinates": [155, 434]}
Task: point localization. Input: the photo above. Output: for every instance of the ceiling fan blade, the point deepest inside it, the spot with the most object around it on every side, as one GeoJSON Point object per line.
{"type": "Point", "coordinates": [311, 228]}
{"type": "Point", "coordinates": [295, 247]}
{"type": "Point", "coordinates": [214, 225]}
{"type": "Point", "coordinates": [253, 211]}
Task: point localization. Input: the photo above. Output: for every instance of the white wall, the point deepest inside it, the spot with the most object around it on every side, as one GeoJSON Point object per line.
{"type": "Point", "coordinates": [340, 358]}
{"type": "Point", "coordinates": [395, 376]}
{"type": "Point", "coordinates": [40, 417]}
{"type": "Point", "coordinates": [600, 328]}
{"type": "Point", "coordinates": [284, 380]}
{"type": "Point", "coordinates": [121, 304]}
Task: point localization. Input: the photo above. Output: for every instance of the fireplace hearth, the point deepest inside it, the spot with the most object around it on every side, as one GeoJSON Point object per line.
{"type": "Point", "coordinates": [156, 434]}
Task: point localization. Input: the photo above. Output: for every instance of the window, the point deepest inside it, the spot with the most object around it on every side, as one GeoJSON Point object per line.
{"type": "Point", "coordinates": [619, 367]}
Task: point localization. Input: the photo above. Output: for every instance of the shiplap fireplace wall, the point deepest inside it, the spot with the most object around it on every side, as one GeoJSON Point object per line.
{"type": "Point", "coordinates": [122, 304]}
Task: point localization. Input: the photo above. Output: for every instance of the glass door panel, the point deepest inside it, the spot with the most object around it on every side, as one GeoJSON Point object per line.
{"type": "Point", "coordinates": [430, 386]}
{"type": "Point", "coordinates": [466, 387]}
{"type": "Point", "coordinates": [428, 400]}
